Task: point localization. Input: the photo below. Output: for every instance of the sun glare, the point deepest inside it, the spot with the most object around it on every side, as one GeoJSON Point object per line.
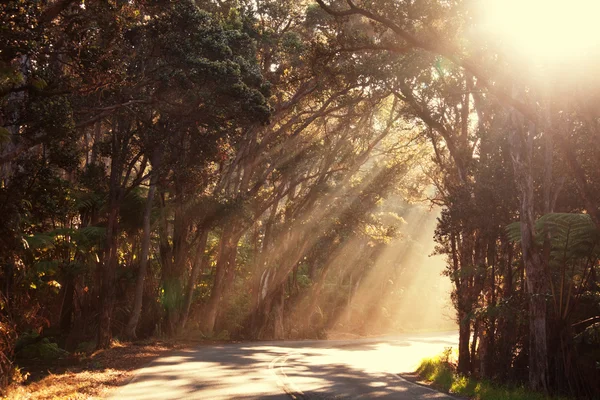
{"type": "Point", "coordinates": [551, 33]}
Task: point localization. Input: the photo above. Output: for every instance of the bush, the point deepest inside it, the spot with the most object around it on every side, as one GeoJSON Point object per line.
{"type": "Point", "coordinates": [8, 339]}
{"type": "Point", "coordinates": [444, 376]}
{"type": "Point", "coordinates": [43, 349]}
{"type": "Point", "coordinates": [86, 347]}
{"type": "Point", "coordinates": [437, 371]}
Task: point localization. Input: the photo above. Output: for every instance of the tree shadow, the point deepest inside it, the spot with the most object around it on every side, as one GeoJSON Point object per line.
{"type": "Point", "coordinates": [273, 370]}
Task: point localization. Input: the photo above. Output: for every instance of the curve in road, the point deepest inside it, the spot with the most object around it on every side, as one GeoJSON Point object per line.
{"type": "Point", "coordinates": [350, 369]}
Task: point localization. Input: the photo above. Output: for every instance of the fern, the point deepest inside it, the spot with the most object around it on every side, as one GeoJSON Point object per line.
{"type": "Point", "coordinates": [93, 234]}
{"type": "Point", "coordinates": [567, 229]}
{"type": "Point", "coordinates": [86, 202]}
{"type": "Point", "coordinates": [572, 236]}
{"type": "Point", "coordinates": [39, 241]}
{"type": "Point", "coordinates": [513, 231]}
{"type": "Point", "coordinates": [564, 229]}
{"type": "Point", "coordinates": [5, 136]}
{"type": "Point", "coordinates": [591, 335]}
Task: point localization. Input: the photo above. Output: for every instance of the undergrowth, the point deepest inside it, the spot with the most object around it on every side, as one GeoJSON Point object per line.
{"type": "Point", "coordinates": [443, 376]}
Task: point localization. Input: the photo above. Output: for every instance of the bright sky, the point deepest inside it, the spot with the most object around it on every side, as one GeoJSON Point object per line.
{"type": "Point", "coordinates": [554, 33]}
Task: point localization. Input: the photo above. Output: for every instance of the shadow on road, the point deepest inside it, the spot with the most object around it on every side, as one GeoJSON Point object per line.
{"type": "Point", "coordinates": [315, 370]}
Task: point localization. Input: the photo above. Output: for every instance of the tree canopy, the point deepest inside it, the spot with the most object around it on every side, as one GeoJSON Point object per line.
{"type": "Point", "coordinates": [244, 169]}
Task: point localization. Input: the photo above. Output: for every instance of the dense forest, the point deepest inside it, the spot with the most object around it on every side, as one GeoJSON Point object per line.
{"type": "Point", "coordinates": [242, 169]}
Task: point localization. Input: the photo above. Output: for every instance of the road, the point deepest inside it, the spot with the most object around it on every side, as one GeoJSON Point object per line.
{"type": "Point", "coordinates": [348, 369]}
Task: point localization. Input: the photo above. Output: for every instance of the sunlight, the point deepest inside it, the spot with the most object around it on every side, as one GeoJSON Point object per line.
{"type": "Point", "coordinates": [425, 304]}
{"type": "Point", "coordinates": [274, 199]}
{"type": "Point", "coordinates": [546, 33]}
{"type": "Point", "coordinates": [406, 283]}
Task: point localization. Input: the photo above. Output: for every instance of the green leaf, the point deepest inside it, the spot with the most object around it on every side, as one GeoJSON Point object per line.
{"type": "Point", "coordinates": [38, 83]}
{"type": "Point", "coordinates": [514, 232]}
{"type": "Point", "coordinates": [571, 235]}
{"type": "Point", "coordinates": [39, 241]}
{"type": "Point", "coordinates": [5, 136]}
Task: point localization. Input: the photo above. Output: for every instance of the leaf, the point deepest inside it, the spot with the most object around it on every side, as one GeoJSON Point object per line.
{"type": "Point", "coordinates": [39, 241]}
{"type": "Point", "coordinates": [5, 136]}
{"type": "Point", "coordinates": [38, 83]}
{"type": "Point", "coordinates": [514, 232]}
{"type": "Point", "coordinates": [591, 335]}
{"type": "Point", "coordinates": [93, 234]}
{"type": "Point", "coordinates": [571, 234]}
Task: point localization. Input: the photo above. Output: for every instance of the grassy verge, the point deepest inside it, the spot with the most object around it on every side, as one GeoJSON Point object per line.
{"type": "Point", "coordinates": [443, 377]}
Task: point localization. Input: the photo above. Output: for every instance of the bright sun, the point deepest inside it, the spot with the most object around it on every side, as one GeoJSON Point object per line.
{"type": "Point", "coordinates": [555, 33]}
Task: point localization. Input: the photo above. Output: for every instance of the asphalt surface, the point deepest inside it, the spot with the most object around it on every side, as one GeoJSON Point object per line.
{"type": "Point", "coordinates": [348, 369]}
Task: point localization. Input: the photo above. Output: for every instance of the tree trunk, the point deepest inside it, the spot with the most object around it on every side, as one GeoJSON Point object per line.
{"type": "Point", "coordinates": [260, 314]}
{"type": "Point", "coordinates": [145, 251]}
{"type": "Point", "coordinates": [506, 323]}
{"type": "Point", "coordinates": [119, 147]}
{"type": "Point", "coordinates": [464, 333]}
{"type": "Point", "coordinates": [108, 286]}
{"type": "Point", "coordinates": [474, 342]}
{"type": "Point", "coordinates": [522, 153]}
{"type": "Point", "coordinates": [66, 309]}
{"type": "Point", "coordinates": [464, 319]}
{"type": "Point", "coordinates": [225, 248]}
{"type": "Point", "coordinates": [174, 255]}
{"type": "Point", "coordinates": [278, 313]}
{"type": "Point", "coordinates": [200, 261]}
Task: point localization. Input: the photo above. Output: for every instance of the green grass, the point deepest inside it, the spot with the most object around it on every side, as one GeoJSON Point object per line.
{"type": "Point", "coordinates": [436, 371]}
{"type": "Point", "coordinates": [443, 376]}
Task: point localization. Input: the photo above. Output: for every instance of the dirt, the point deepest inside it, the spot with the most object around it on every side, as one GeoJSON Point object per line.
{"type": "Point", "coordinates": [84, 376]}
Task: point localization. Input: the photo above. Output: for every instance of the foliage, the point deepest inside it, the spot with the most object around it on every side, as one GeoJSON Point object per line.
{"type": "Point", "coordinates": [572, 235]}
{"type": "Point", "coordinates": [43, 349]}
{"type": "Point", "coordinates": [247, 168]}
{"type": "Point", "coordinates": [444, 377]}
{"type": "Point", "coordinates": [436, 371]}
{"type": "Point", "coordinates": [7, 344]}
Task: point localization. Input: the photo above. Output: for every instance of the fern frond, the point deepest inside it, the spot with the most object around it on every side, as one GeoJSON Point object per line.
{"type": "Point", "coordinates": [40, 241]}
{"type": "Point", "coordinates": [570, 234]}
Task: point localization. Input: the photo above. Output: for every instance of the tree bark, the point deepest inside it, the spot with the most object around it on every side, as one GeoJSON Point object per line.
{"type": "Point", "coordinates": [66, 309]}
{"type": "Point", "coordinates": [145, 251]}
{"type": "Point", "coordinates": [108, 286]}
{"type": "Point", "coordinates": [464, 319]}
{"type": "Point", "coordinates": [464, 333]}
{"type": "Point", "coordinates": [200, 261]}
{"type": "Point", "coordinates": [522, 153]}
{"type": "Point", "coordinates": [226, 246]}
{"type": "Point", "coordinates": [278, 313]}
{"type": "Point", "coordinates": [476, 337]}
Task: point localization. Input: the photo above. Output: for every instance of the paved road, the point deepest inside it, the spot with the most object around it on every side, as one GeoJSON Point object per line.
{"type": "Point", "coordinates": [353, 369]}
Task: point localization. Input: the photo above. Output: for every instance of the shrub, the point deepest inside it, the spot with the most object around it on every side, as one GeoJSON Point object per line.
{"type": "Point", "coordinates": [7, 344]}
{"type": "Point", "coordinates": [437, 371]}
{"type": "Point", "coordinates": [43, 349]}
{"type": "Point", "coordinates": [443, 376]}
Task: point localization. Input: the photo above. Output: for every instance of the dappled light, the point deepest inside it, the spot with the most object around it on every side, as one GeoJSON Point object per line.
{"type": "Point", "coordinates": [305, 369]}
{"type": "Point", "coordinates": [405, 289]}
{"type": "Point", "coordinates": [241, 176]}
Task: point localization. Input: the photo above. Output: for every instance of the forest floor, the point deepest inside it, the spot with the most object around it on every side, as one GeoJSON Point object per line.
{"type": "Point", "coordinates": [84, 376]}
{"type": "Point", "coordinates": [94, 375]}
{"type": "Point", "coordinates": [97, 374]}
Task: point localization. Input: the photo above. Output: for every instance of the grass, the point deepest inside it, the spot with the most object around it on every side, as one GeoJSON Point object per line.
{"type": "Point", "coordinates": [442, 376]}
